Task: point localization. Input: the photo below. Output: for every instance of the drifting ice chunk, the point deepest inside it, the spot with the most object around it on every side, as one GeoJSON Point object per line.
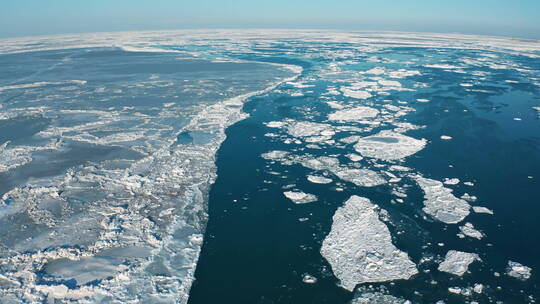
{"type": "Point", "coordinates": [275, 155]}
{"type": "Point", "coordinates": [354, 114]}
{"type": "Point", "coordinates": [360, 177]}
{"type": "Point", "coordinates": [359, 247]}
{"type": "Point", "coordinates": [469, 230]}
{"type": "Point", "coordinates": [518, 271]}
{"type": "Point", "coordinates": [479, 209]}
{"type": "Point", "coordinates": [446, 137]}
{"type": "Point", "coordinates": [457, 262]}
{"type": "Point", "coordinates": [355, 94]}
{"type": "Point", "coordinates": [318, 131]}
{"type": "Point", "coordinates": [451, 181]}
{"type": "Point", "coordinates": [377, 298]}
{"type": "Point", "coordinates": [299, 197]}
{"type": "Point", "coordinates": [440, 203]}
{"type": "Point", "coordinates": [388, 145]}
{"type": "Point", "coordinates": [309, 279]}
{"type": "Point", "coordinates": [318, 179]}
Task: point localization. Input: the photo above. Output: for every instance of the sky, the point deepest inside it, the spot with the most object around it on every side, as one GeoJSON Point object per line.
{"type": "Point", "coordinates": [514, 18]}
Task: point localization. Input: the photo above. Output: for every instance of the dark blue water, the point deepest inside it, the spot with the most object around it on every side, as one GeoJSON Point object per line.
{"type": "Point", "coordinates": [256, 250]}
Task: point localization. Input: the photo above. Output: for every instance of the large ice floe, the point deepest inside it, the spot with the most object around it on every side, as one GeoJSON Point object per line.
{"type": "Point", "coordinates": [457, 262]}
{"type": "Point", "coordinates": [359, 247]}
{"type": "Point", "coordinates": [388, 145]}
{"type": "Point", "coordinates": [440, 203]}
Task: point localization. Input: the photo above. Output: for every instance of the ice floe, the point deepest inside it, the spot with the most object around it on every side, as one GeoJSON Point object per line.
{"type": "Point", "coordinates": [360, 177]}
{"type": "Point", "coordinates": [357, 114]}
{"type": "Point", "coordinates": [479, 209]}
{"type": "Point", "coordinates": [457, 262]}
{"type": "Point", "coordinates": [389, 145]}
{"type": "Point", "coordinates": [469, 230]}
{"type": "Point", "coordinates": [358, 94]}
{"type": "Point", "coordinates": [377, 298]}
{"type": "Point", "coordinates": [440, 203]}
{"type": "Point", "coordinates": [317, 179]}
{"type": "Point", "coordinates": [518, 271]}
{"type": "Point", "coordinates": [359, 247]}
{"type": "Point", "coordinates": [299, 197]}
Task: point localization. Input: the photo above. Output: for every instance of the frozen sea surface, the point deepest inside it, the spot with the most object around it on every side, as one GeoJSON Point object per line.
{"type": "Point", "coordinates": [177, 166]}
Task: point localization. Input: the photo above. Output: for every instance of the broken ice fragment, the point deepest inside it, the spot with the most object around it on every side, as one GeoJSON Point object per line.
{"type": "Point", "coordinates": [440, 203]}
{"type": "Point", "coordinates": [318, 179]}
{"type": "Point", "coordinates": [299, 197]}
{"type": "Point", "coordinates": [457, 262]}
{"type": "Point", "coordinates": [359, 247]}
{"type": "Point", "coordinates": [469, 230]}
{"type": "Point", "coordinates": [388, 145]}
{"type": "Point", "coordinates": [354, 114]}
{"type": "Point", "coordinates": [518, 271]}
{"type": "Point", "coordinates": [479, 209]}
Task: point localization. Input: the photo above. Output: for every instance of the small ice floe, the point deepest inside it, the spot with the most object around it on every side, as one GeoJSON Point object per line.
{"type": "Point", "coordinates": [317, 179]}
{"type": "Point", "coordinates": [451, 181]}
{"type": "Point", "coordinates": [354, 157]}
{"type": "Point", "coordinates": [446, 137]}
{"type": "Point", "coordinates": [388, 145]}
{"type": "Point", "coordinates": [478, 288]}
{"type": "Point", "coordinates": [457, 262]}
{"type": "Point", "coordinates": [440, 203]}
{"type": "Point", "coordinates": [422, 100]}
{"type": "Point", "coordinates": [479, 209]}
{"type": "Point", "coordinates": [470, 184]}
{"type": "Point", "coordinates": [518, 271]}
{"type": "Point", "coordinates": [299, 197]}
{"type": "Point", "coordinates": [275, 155]}
{"type": "Point", "coordinates": [309, 279]}
{"type": "Point", "coordinates": [454, 290]}
{"type": "Point", "coordinates": [310, 131]}
{"type": "Point", "coordinates": [358, 94]}
{"type": "Point", "coordinates": [360, 177]}
{"type": "Point", "coordinates": [469, 230]}
{"type": "Point", "coordinates": [359, 247]}
{"type": "Point", "coordinates": [374, 297]}
{"type": "Point", "coordinates": [275, 124]}
{"type": "Point", "coordinates": [353, 114]}
{"type": "Point", "coordinates": [468, 197]}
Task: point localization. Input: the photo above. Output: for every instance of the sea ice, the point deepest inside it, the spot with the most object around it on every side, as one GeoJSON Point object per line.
{"type": "Point", "coordinates": [359, 247]}
{"type": "Point", "coordinates": [316, 179]}
{"type": "Point", "coordinates": [451, 181]}
{"type": "Point", "coordinates": [469, 230]}
{"type": "Point", "coordinates": [440, 203]}
{"type": "Point", "coordinates": [479, 209]}
{"type": "Point", "coordinates": [457, 262]}
{"type": "Point", "coordinates": [299, 197]}
{"type": "Point", "coordinates": [309, 279]}
{"type": "Point", "coordinates": [355, 93]}
{"type": "Point", "coordinates": [518, 271]}
{"type": "Point", "coordinates": [388, 145]}
{"type": "Point", "coordinates": [377, 298]}
{"type": "Point", "coordinates": [354, 114]}
{"type": "Point", "coordinates": [360, 177]}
